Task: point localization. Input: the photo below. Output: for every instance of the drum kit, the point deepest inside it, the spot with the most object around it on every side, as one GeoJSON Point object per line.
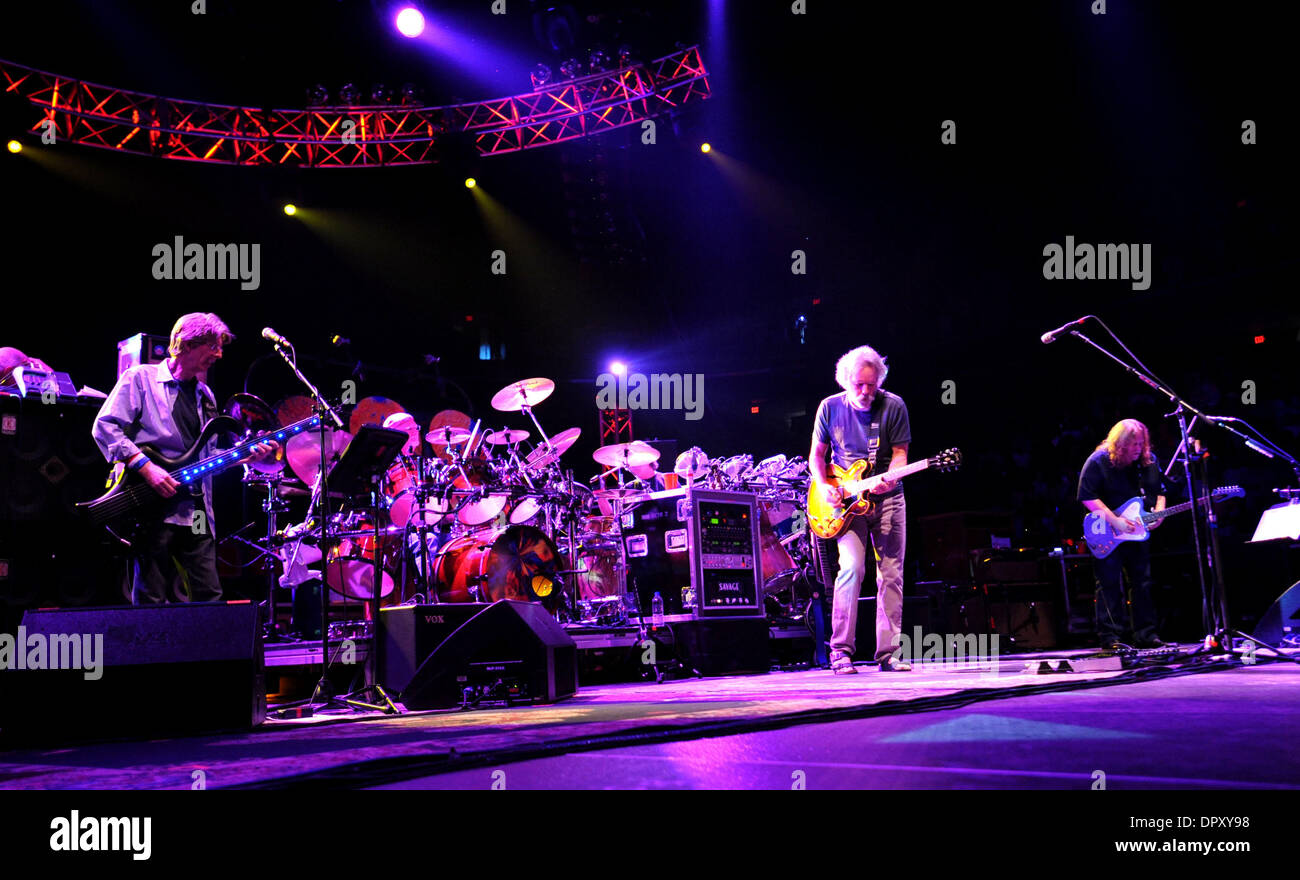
{"type": "Point", "coordinates": [483, 513]}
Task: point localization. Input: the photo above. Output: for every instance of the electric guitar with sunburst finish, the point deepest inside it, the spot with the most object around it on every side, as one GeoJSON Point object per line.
{"type": "Point", "coordinates": [830, 521]}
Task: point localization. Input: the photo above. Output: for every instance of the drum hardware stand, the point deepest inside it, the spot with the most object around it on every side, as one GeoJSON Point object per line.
{"type": "Point", "coordinates": [273, 506]}
{"type": "Point", "coordinates": [305, 708]}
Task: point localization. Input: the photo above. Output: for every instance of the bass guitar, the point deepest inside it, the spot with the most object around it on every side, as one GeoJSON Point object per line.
{"type": "Point", "coordinates": [830, 521]}
{"type": "Point", "coordinates": [130, 500]}
{"type": "Point", "coordinates": [1102, 538]}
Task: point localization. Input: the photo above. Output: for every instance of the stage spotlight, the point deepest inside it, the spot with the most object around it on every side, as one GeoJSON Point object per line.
{"type": "Point", "coordinates": [410, 93]}
{"type": "Point", "coordinates": [705, 147]}
{"type": "Point", "coordinates": [318, 96]}
{"type": "Point", "coordinates": [15, 147]}
{"type": "Point", "coordinates": [618, 368]}
{"type": "Point", "coordinates": [625, 56]}
{"type": "Point", "coordinates": [540, 76]}
{"type": "Point", "coordinates": [410, 22]}
{"type": "Point", "coordinates": [381, 94]}
{"type": "Point", "coordinates": [291, 209]}
{"type": "Point", "coordinates": [570, 68]}
{"type": "Point", "coordinates": [350, 95]}
{"type": "Point", "coordinates": [597, 61]}
{"type": "Point", "coordinates": [470, 183]}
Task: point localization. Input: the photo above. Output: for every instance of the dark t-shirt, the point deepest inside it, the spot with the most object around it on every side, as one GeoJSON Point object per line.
{"type": "Point", "coordinates": [1101, 480]}
{"type": "Point", "coordinates": [846, 429]}
{"type": "Point", "coordinates": [185, 412]}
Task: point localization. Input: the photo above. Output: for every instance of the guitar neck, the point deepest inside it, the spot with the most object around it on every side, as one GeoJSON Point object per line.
{"type": "Point", "coordinates": [857, 486]}
{"type": "Point", "coordinates": [1157, 515]}
{"type": "Point", "coordinates": [239, 453]}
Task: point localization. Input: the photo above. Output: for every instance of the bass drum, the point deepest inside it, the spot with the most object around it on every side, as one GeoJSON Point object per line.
{"type": "Point", "coordinates": [518, 562]}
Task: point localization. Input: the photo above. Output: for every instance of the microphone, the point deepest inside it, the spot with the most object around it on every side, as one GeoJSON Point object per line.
{"type": "Point", "coordinates": [1050, 335]}
{"type": "Point", "coordinates": [271, 336]}
{"type": "Point", "coordinates": [1251, 444]}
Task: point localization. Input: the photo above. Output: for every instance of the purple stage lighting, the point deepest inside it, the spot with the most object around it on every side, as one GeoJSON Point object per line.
{"type": "Point", "coordinates": [618, 368]}
{"type": "Point", "coordinates": [410, 22]}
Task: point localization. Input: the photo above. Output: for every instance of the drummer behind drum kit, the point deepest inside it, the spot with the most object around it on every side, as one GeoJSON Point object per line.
{"type": "Point", "coordinates": [489, 516]}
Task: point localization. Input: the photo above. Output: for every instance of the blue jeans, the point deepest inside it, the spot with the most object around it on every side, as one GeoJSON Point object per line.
{"type": "Point", "coordinates": [885, 530]}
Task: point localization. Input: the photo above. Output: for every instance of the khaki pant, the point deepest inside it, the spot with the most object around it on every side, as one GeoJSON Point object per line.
{"type": "Point", "coordinates": [886, 532]}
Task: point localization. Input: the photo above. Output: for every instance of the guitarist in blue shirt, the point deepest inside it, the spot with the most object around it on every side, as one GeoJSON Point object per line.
{"type": "Point", "coordinates": [865, 422]}
{"type": "Point", "coordinates": [1124, 467]}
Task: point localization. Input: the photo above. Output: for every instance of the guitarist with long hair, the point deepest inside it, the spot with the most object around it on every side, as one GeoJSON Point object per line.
{"type": "Point", "coordinates": [165, 406]}
{"type": "Point", "coordinates": [1122, 467]}
{"type": "Point", "coordinates": [865, 422]}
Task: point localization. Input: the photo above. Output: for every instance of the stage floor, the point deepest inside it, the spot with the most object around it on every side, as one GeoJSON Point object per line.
{"type": "Point", "coordinates": [1193, 723]}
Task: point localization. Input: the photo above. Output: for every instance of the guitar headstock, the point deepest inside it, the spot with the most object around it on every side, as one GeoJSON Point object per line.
{"type": "Point", "coordinates": [1229, 492]}
{"type": "Point", "coordinates": [948, 460]}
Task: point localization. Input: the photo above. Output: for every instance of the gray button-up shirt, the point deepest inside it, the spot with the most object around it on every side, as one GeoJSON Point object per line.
{"type": "Point", "coordinates": [139, 411]}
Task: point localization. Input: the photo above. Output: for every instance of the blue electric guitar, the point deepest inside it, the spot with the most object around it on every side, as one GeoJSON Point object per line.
{"type": "Point", "coordinates": [1103, 539]}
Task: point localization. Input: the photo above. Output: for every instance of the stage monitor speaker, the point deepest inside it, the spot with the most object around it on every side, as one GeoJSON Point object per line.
{"type": "Point", "coordinates": [723, 646]}
{"type": "Point", "coordinates": [1282, 619]}
{"type": "Point", "coordinates": [512, 651]}
{"type": "Point", "coordinates": [132, 671]}
{"type": "Point", "coordinates": [408, 634]}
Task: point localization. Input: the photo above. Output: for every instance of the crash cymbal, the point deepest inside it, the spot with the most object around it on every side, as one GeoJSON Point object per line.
{"type": "Point", "coordinates": [526, 392]}
{"type": "Point", "coordinates": [303, 452]}
{"type": "Point", "coordinates": [631, 454]}
{"type": "Point", "coordinates": [373, 411]}
{"type": "Point", "coordinates": [543, 455]}
{"type": "Point", "coordinates": [447, 436]}
{"type": "Point", "coordinates": [507, 436]}
{"type": "Point", "coordinates": [293, 409]}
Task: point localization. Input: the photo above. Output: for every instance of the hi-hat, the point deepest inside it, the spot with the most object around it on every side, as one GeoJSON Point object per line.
{"type": "Point", "coordinates": [303, 452]}
{"type": "Point", "coordinates": [507, 436]}
{"type": "Point", "coordinates": [545, 454]}
{"type": "Point", "coordinates": [624, 493]}
{"type": "Point", "coordinates": [526, 392]}
{"type": "Point", "coordinates": [447, 436]}
{"type": "Point", "coordinates": [634, 454]}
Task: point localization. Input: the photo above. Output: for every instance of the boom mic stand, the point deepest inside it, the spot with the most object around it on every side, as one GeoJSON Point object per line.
{"type": "Point", "coordinates": [305, 708]}
{"type": "Point", "coordinates": [1215, 613]}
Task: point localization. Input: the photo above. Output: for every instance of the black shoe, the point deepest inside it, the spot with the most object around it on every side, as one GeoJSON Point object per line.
{"type": "Point", "coordinates": [889, 664]}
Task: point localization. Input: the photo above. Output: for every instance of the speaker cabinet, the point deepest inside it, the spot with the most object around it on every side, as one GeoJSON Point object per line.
{"type": "Point", "coordinates": [139, 671]}
{"type": "Point", "coordinates": [511, 651]}
{"type": "Point", "coordinates": [408, 634]}
{"type": "Point", "coordinates": [1282, 619]}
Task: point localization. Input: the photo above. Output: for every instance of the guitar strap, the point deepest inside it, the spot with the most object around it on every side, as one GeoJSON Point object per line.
{"type": "Point", "coordinates": [873, 440]}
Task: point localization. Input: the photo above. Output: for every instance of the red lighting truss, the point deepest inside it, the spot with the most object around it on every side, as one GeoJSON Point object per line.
{"type": "Point", "coordinates": [349, 137]}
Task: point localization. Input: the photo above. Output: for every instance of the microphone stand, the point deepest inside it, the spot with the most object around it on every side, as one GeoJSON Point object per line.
{"type": "Point", "coordinates": [305, 708]}
{"type": "Point", "coordinates": [1214, 617]}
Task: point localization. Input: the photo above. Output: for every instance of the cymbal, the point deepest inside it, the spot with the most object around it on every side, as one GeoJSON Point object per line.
{"type": "Point", "coordinates": [506, 436]}
{"type": "Point", "coordinates": [526, 392]}
{"type": "Point", "coordinates": [257, 417]}
{"type": "Point", "coordinates": [303, 452]}
{"type": "Point", "coordinates": [447, 436]}
{"type": "Point", "coordinates": [632, 454]}
{"type": "Point", "coordinates": [543, 455]}
{"type": "Point", "coordinates": [626, 493]}
{"type": "Point", "coordinates": [373, 411]}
